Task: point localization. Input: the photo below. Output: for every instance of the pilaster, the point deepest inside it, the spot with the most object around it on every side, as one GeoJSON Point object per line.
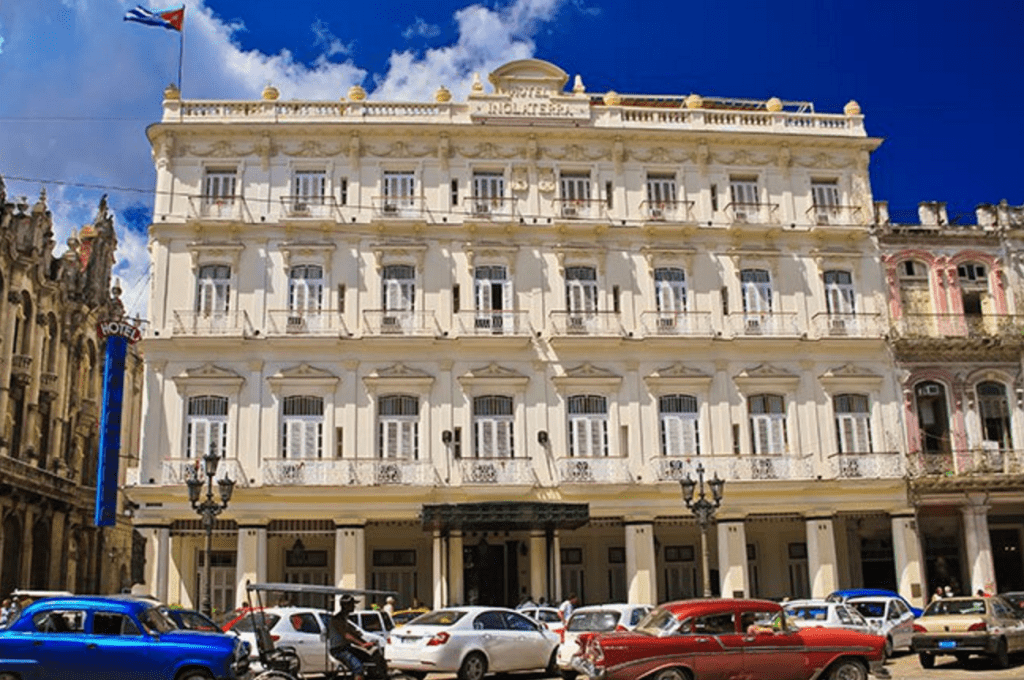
{"type": "Point", "coordinates": [641, 569]}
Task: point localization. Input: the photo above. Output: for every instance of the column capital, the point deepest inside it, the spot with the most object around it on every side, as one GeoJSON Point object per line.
{"type": "Point", "coordinates": [340, 525]}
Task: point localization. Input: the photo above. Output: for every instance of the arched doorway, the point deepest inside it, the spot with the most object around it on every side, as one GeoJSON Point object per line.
{"type": "Point", "coordinates": [10, 562]}
{"type": "Point", "coordinates": [39, 573]}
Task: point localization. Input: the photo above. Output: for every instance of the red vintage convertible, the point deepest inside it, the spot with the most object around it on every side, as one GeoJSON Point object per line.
{"type": "Point", "coordinates": [723, 639]}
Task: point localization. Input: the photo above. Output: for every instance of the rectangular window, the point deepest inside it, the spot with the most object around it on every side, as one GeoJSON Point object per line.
{"type": "Point", "coordinates": [455, 192]}
{"type": "Point", "coordinates": [309, 187]}
{"type": "Point", "coordinates": [219, 185]}
{"type": "Point", "coordinates": [456, 299]}
{"type": "Point", "coordinates": [588, 426]}
{"type": "Point", "coordinates": [399, 191]}
{"type": "Point", "coordinates": [825, 197]}
{"type": "Point", "coordinates": [457, 442]}
{"type": "Point", "coordinates": [213, 289]}
{"type": "Point", "coordinates": [341, 298]}
{"type": "Point", "coordinates": [616, 306]}
{"type": "Point", "coordinates": [302, 427]}
{"type": "Point", "coordinates": [339, 442]}
{"type": "Point", "coordinates": [661, 196]}
{"type": "Point", "coordinates": [853, 423]}
{"type": "Point", "coordinates": [714, 197]}
{"type": "Point", "coordinates": [344, 190]}
{"type": "Point", "coordinates": [305, 288]}
{"type": "Point", "coordinates": [488, 192]}
{"type": "Point", "coordinates": [745, 200]}
{"type": "Point", "coordinates": [839, 296]}
{"type": "Point", "coordinates": [575, 194]}
{"type": "Point", "coordinates": [608, 193]}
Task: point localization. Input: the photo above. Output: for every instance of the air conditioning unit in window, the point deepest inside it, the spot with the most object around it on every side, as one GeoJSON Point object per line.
{"type": "Point", "coordinates": [300, 208]}
{"type": "Point", "coordinates": [391, 324]}
{"type": "Point", "coordinates": [837, 326]}
{"type": "Point", "coordinates": [295, 324]}
{"type": "Point", "coordinates": [570, 211]}
{"type": "Point", "coordinates": [390, 209]}
{"type": "Point", "coordinates": [481, 209]}
{"type": "Point", "coordinates": [666, 324]}
{"type": "Point", "coordinates": [929, 390]}
{"type": "Point", "coordinates": [740, 215]}
{"type": "Point", "coordinates": [576, 324]}
{"type": "Point", "coordinates": [821, 216]}
{"type": "Point", "coordinates": [753, 327]}
{"type": "Point", "coordinates": [657, 213]}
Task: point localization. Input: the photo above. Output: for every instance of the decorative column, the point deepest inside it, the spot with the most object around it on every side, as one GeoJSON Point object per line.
{"type": "Point", "coordinates": [906, 548]}
{"type": "Point", "coordinates": [349, 555]}
{"type": "Point", "coordinates": [440, 572]}
{"type": "Point", "coordinates": [978, 544]}
{"type": "Point", "coordinates": [556, 569]}
{"type": "Point", "coordinates": [641, 569]}
{"type": "Point", "coordinates": [821, 556]}
{"type": "Point", "coordinates": [158, 557]}
{"type": "Point", "coordinates": [251, 564]}
{"type": "Point", "coordinates": [7, 351]}
{"type": "Point", "coordinates": [456, 586]}
{"type": "Point", "coordinates": [732, 557]}
{"type": "Point", "coordinates": [538, 565]}
{"type": "Point", "coordinates": [58, 543]}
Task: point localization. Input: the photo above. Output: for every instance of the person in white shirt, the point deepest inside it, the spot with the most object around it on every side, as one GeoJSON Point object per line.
{"type": "Point", "coordinates": [389, 605]}
{"type": "Point", "coordinates": [565, 609]}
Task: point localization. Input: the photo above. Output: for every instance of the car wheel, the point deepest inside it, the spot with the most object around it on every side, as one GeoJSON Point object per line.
{"type": "Point", "coordinates": [671, 674]}
{"type": "Point", "coordinates": [848, 669]}
{"type": "Point", "coordinates": [552, 668]}
{"type": "Point", "coordinates": [927, 660]}
{"type": "Point", "coordinates": [887, 651]}
{"type": "Point", "coordinates": [194, 674]}
{"type": "Point", "coordinates": [1001, 658]}
{"type": "Point", "coordinates": [473, 667]}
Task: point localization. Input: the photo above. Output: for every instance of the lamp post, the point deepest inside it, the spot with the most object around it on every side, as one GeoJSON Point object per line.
{"type": "Point", "coordinates": [704, 511]}
{"type": "Point", "coordinates": [208, 508]}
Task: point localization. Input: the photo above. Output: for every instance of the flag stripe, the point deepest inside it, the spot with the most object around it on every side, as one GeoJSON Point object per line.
{"type": "Point", "coordinates": [171, 19]}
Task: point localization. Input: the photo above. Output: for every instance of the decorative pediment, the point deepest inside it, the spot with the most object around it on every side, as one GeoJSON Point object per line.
{"type": "Point", "coordinates": [541, 75]}
{"type": "Point", "coordinates": [850, 377]}
{"type": "Point", "coordinates": [208, 378]}
{"type": "Point", "coordinates": [399, 375]}
{"type": "Point", "coordinates": [587, 376]}
{"type": "Point", "coordinates": [208, 252]}
{"type": "Point", "coordinates": [315, 252]}
{"type": "Point", "coordinates": [493, 376]}
{"type": "Point", "coordinates": [766, 377]}
{"type": "Point", "coordinates": [303, 376]}
{"type": "Point", "coordinates": [530, 88]}
{"type": "Point", "coordinates": [678, 377]}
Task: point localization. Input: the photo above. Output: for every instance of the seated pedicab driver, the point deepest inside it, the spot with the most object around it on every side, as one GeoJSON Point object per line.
{"type": "Point", "coordinates": [343, 635]}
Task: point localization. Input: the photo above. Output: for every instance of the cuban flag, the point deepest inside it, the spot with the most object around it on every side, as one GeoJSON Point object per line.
{"type": "Point", "coordinates": [170, 19]}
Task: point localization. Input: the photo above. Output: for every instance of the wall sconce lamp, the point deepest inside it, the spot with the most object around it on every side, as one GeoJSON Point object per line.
{"type": "Point", "coordinates": [542, 437]}
{"type": "Point", "coordinates": [446, 437]}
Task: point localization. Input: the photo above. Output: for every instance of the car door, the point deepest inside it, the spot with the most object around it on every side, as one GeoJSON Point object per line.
{"type": "Point", "coordinates": [902, 620]}
{"type": "Point", "coordinates": [116, 645]}
{"type": "Point", "coordinates": [1011, 623]}
{"type": "Point", "coordinates": [771, 650]}
{"type": "Point", "coordinates": [59, 644]}
{"type": "Point", "coordinates": [710, 644]}
{"type": "Point", "coordinates": [305, 634]}
{"type": "Point", "coordinates": [496, 640]}
{"type": "Point", "coordinates": [532, 644]}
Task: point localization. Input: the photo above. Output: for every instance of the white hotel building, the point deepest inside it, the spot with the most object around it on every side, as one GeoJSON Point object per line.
{"type": "Point", "coordinates": [467, 350]}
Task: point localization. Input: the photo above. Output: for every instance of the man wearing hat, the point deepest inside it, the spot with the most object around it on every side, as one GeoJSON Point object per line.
{"type": "Point", "coordinates": [389, 606]}
{"type": "Point", "coordinates": [343, 635]}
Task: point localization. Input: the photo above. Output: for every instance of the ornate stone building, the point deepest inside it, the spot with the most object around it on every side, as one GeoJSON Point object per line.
{"type": "Point", "coordinates": [958, 339]}
{"type": "Point", "coordinates": [51, 365]}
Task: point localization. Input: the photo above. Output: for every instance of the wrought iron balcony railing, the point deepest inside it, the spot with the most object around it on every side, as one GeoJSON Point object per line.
{"type": "Point", "coordinates": [581, 209]}
{"type": "Point", "coordinates": [497, 471]}
{"type": "Point", "coordinates": [193, 323]}
{"type": "Point", "coordinates": [595, 470]}
{"type": "Point", "coordinates": [398, 207]}
{"type": "Point", "coordinates": [304, 322]}
{"type": "Point", "coordinates": [219, 208]}
{"type": "Point", "coordinates": [310, 207]}
{"type": "Point", "coordinates": [836, 215]}
{"type": "Point", "coordinates": [696, 324]}
{"type": "Point", "coordinates": [914, 326]}
{"type": "Point", "coordinates": [869, 465]}
{"type": "Point", "coordinates": [494, 323]}
{"type": "Point", "coordinates": [586, 323]}
{"type": "Point", "coordinates": [348, 472]}
{"type": "Point", "coordinates": [397, 322]}
{"type": "Point", "coordinates": [753, 213]}
{"type": "Point", "coordinates": [828, 325]}
{"type": "Point", "coordinates": [491, 207]}
{"type": "Point", "coordinates": [985, 460]}
{"type": "Point", "coordinates": [667, 211]}
{"type": "Point", "coordinates": [763, 324]}
{"type": "Point", "coordinates": [177, 471]}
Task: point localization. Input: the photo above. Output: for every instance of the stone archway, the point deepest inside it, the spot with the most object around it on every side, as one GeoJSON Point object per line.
{"type": "Point", "coordinates": [39, 572]}
{"type": "Point", "coordinates": [10, 559]}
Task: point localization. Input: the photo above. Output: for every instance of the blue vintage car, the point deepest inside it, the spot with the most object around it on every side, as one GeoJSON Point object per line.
{"type": "Point", "coordinates": [114, 638]}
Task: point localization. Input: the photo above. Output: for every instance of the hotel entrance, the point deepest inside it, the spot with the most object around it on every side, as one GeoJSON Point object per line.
{"type": "Point", "coordinates": [491, 572]}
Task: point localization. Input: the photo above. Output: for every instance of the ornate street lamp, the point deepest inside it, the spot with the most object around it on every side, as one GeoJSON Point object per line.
{"type": "Point", "coordinates": [704, 511]}
{"type": "Point", "coordinates": [208, 509]}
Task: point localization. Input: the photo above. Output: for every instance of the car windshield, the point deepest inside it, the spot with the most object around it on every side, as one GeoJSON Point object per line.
{"type": "Point", "coordinates": [603, 620]}
{"type": "Point", "coordinates": [947, 607]}
{"type": "Point", "coordinates": [657, 622]}
{"type": "Point", "coordinates": [157, 620]}
{"type": "Point", "coordinates": [245, 624]}
{"type": "Point", "coordinates": [442, 617]}
{"type": "Point", "coordinates": [871, 610]}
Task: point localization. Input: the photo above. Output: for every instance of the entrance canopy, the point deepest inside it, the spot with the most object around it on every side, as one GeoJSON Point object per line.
{"type": "Point", "coordinates": [504, 516]}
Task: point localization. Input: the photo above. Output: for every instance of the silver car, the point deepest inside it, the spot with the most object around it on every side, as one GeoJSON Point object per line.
{"type": "Point", "coordinates": [823, 614]}
{"type": "Point", "coordinates": [595, 619]}
{"type": "Point", "coordinates": [472, 641]}
{"type": "Point", "coordinates": [890, 616]}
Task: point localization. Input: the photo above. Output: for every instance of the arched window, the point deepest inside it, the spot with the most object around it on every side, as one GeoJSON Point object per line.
{"type": "Point", "coordinates": [680, 433]}
{"type": "Point", "coordinates": [493, 427]}
{"type": "Point", "coordinates": [206, 426]}
{"type": "Point", "coordinates": [588, 425]}
{"type": "Point", "coordinates": [767, 424]}
{"type": "Point", "coordinates": [994, 411]}
{"type": "Point", "coordinates": [302, 427]}
{"type": "Point", "coordinates": [398, 427]}
{"type": "Point", "coordinates": [853, 423]}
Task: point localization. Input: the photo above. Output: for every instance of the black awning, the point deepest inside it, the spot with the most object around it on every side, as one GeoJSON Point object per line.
{"type": "Point", "coordinates": [504, 516]}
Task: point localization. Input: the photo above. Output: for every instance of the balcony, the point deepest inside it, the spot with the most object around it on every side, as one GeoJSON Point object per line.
{"type": "Point", "coordinates": [490, 208]}
{"type": "Point", "coordinates": [827, 325]}
{"type": "Point", "coordinates": [580, 208]}
{"type": "Point", "coordinates": [667, 211]}
{"type": "Point", "coordinates": [885, 465]}
{"type": "Point", "coordinates": [497, 471]}
{"type": "Point", "coordinates": [304, 322]}
{"type": "Point", "coordinates": [391, 472]}
{"type": "Point", "coordinates": [836, 215]}
{"type": "Point", "coordinates": [387, 322]}
{"type": "Point", "coordinates": [753, 213]}
{"type": "Point", "coordinates": [399, 207]}
{"type": "Point", "coordinates": [27, 475]}
{"type": "Point", "coordinates": [673, 468]}
{"type": "Point", "coordinates": [600, 470]}
{"type": "Point", "coordinates": [588, 324]}
{"type": "Point", "coordinates": [693, 324]}
{"type": "Point", "coordinates": [201, 324]}
{"type": "Point", "coordinates": [763, 324]}
{"type": "Point", "coordinates": [48, 383]}
{"type": "Point", "coordinates": [975, 326]}
{"type": "Point", "coordinates": [759, 468]}
{"type": "Point", "coordinates": [21, 368]}
{"type": "Point", "coordinates": [177, 471]}
{"type": "Point", "coordinates": [310, 208]}
{"type": "Point", "coordinates": [985, 460]}
{"type": "Point", "coordinates": [494, 323]}
{"type": "Point", "coordinates": [227, 208]}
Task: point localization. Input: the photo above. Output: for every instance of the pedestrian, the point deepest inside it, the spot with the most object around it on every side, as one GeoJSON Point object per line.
{"type": "Point", "coordinates": [526, 601]}
{"type": "Point", "coordinates": [948, 592]}
{"type": "Point", "coordinates": [343, 635]}
{"type": "Point", "coordinates": [5, 612]}
{"type": "Point", "coordinates": [565, 609]}
{"type": "Point", "coordinates": [938, 594]}
{"type": "Point", "coordinates": [389, 605]}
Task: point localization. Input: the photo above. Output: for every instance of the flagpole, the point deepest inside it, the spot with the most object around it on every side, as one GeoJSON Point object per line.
{"type": "Point", "coordinates": [181, 47]}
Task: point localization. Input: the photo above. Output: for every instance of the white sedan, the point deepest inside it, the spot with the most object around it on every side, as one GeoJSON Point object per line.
{"type": "Point", "coordinates": [890, 616]}
{"type": "Point", "coordinates": [599, 618]}
{"type": "Point", "coordinates": [823, 614]}
{"type": "Point", "coordinates": [472, 641]}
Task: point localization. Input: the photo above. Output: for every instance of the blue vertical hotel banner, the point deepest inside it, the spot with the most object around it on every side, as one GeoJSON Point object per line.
{"type": "Point", "coordinates": [119, 334]}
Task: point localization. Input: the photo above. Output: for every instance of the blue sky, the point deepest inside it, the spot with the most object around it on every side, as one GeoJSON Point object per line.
{"type": "Point", "coordinates": [940, 81]}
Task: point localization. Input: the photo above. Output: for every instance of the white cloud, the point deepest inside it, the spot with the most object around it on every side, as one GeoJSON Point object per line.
{"type": "Point", "coordinates": [421, 29]}
{"type": "Point", "coordinates": [88, 84]}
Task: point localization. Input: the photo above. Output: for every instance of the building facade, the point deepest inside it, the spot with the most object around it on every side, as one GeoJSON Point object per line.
{"type": "Point", "coordinates": [468, 350]}
{"type": "Point", "coordinates": [958, 339]}
{"type": "Point", "coordinates": [51, 367]}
